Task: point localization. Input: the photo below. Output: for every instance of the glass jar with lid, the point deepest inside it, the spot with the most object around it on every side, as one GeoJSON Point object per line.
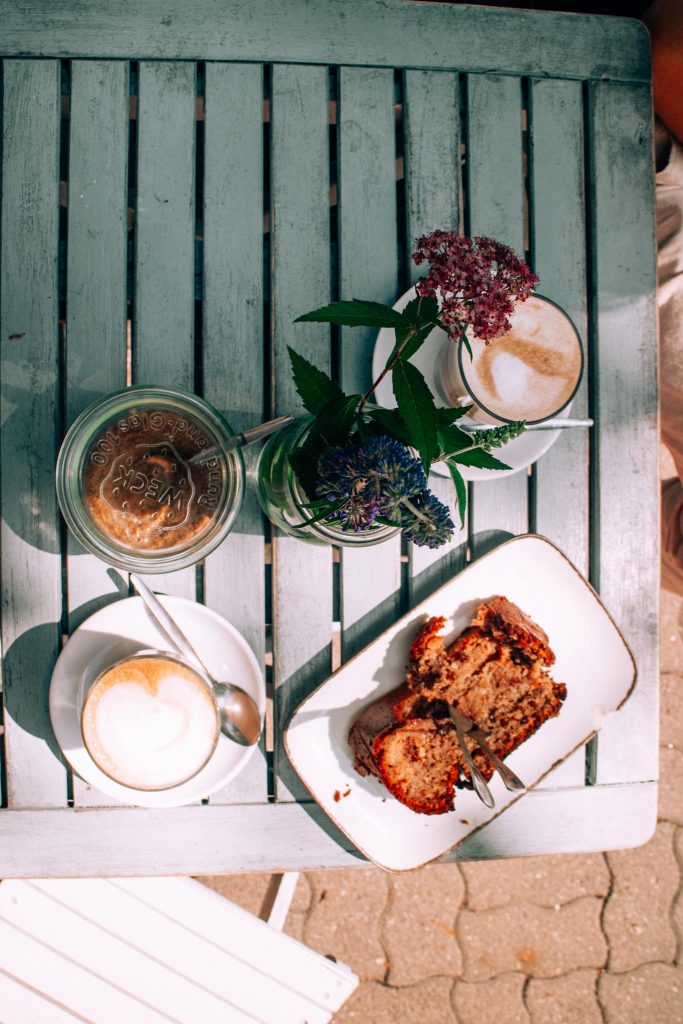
{"type": "Point", "coordinates": [149, 479]}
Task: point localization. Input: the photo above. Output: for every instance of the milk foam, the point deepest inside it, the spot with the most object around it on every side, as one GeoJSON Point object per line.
{"type": "Point", "coordinates": [531, 372]}
{"type": "Point", "coordinates": [150, 723]}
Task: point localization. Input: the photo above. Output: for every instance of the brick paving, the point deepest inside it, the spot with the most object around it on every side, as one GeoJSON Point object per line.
{"type": "Point", "coordinates": [594, 939]}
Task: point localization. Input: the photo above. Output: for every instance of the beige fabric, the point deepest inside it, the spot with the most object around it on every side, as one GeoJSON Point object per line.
{"type": "Point", "coordinates": [669, 201]}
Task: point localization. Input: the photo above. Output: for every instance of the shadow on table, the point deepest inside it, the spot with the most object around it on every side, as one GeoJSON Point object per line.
{"type": "Point", "coordinates": [486, 540]}
{"type": "Point", "coordinates": [27, 671]}
{"type": "Point", "coordinates": [28, 666]}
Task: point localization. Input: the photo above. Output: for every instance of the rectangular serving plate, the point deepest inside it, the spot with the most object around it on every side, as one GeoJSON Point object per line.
{"type": "Point", "coordinates": [592, 659]}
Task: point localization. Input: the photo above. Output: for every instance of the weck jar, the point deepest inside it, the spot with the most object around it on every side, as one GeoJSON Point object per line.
{"type": "Point", "coordinates": [149, 479]}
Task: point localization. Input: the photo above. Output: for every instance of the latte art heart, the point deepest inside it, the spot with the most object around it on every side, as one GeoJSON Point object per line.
{"type": "Point", "coordinates": [150, 723]}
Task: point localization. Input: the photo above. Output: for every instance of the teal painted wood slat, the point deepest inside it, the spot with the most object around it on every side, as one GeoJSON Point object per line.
{"type": "Point", "coordinates": [31, 400]}
{"type": "Point", "coordinates": [96, 283]}
{"type": "Point", "coordinates": [163, 340]}
{"type": "Point", "coordinates": [300, 281]}
{"type": "Point", "coordinates": [96, 294]}
{"type": "Point", "coordinates": [385, 33]}
{"type": "Point", "coordinates": [495, 197]}
{"type": "Point", "coordinates": [560, 478]}
{"type": "Point", "coordinates": [433, 190]}
{"type": "Point", "coordinates": [370, 578]}
{"type": "Point", "coordinates": [234, 574]}
{"type": "Point", "coordinates": [625, 553]}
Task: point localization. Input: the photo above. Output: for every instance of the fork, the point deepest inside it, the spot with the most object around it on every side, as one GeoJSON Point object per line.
{"type": "Point", "coordinates": [511, 781]}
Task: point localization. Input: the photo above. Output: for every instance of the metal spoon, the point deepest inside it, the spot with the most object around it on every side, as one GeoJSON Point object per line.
{"type": "Point", "coordinates": [246, 437]}
{"type": "Point", "coordinates": [471, 428]}
{"type": "Point", "coordinates": [240, 717]}
{"type": "Point", "coordinates": [510, 780]}
{"type": "Point", "coordinates": [478, 780]}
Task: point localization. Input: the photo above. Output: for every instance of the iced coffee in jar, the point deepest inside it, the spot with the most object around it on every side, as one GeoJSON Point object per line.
{"type": "Point", "coordinates": [149, 479]}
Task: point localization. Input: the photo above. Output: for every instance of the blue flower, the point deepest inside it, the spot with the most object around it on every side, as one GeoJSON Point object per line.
{"type": "Point", "coordinates": [427, 521]}
{"type": "Point", "coordinates": [369, 467]}
{"type": "Point", "coordinates": [356, 514]}
{"type": "Point", "coordinates": [381, 477]}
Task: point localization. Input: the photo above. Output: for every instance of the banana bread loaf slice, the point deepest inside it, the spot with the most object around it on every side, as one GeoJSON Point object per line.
{"type": "Point", "coordinates": [496, 672]}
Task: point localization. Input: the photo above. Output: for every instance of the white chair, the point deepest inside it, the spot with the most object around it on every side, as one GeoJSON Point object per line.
{"type": "Point", "coordinates": [154, 951]}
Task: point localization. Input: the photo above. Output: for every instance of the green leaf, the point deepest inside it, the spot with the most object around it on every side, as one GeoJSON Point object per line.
{"type": "Point", "coordinates": [356, 313]}
{"type": "Point", "coordinates": [408, 348]}
{"type": "Point", "coordinates": [334, 423]}
{"type": "Point", "coordinates": [421, 317]}
{"type": "Point", "coordinates": [304, 463]}
{"type": "Point", "coordinates": [391, 422]}
{"type": "Point", "coordinates": [479, 458]}
{"type": "Point", "coordinates": [422, 310]}
{"type": "Point", "coordinates": [466, 342]}
{"type": "Point", "coordinates": [452, 439]}
{"type": "Point", "coordinates": [314, 387]}
{"type": "Point", "coordinates": [447, 416]}
{"type": "Point", "coordinates": [331, 507]}
{"type": "Point", "coordinates": [460, 490]}
{"type": "Point", "coordinates": [416, 405]}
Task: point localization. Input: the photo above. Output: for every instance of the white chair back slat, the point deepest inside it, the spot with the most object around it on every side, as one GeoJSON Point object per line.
{"type": "Point", "coordinates": [37, 963]}
{"type": "Point", "coordinates": [200, 909]}
{"type": "Point", "coordinates": [161, 949]}
{"type": "Point", "coordinates": [19, 1004]}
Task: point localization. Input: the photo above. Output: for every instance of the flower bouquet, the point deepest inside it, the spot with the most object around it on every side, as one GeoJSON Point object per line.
{"type": "Point", "coordinates": [353, 472]}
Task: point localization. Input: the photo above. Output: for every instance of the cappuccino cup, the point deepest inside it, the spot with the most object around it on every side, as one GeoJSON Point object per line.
{"type": "Point", "coordinates": [531, 373]}
{"type": "Point", "coordinates": [150, 721]}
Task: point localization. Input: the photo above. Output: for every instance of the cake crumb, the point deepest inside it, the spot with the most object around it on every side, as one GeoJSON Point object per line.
{"type": "Point", "coordinates": [337, 796]}
{"type": "Point", "coordinates": [348, 791]}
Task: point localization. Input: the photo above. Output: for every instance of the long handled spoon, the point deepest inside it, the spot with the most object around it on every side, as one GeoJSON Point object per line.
{"type": "Point", "coordinates": [544, 425]}
{"type": "Point", "coordinates": [246, 437]}
{"type": "Point", "coordinates": [510, 780]}
{"type": "Point", "coordinates": [240, 717]}
{"type": "Point", "coordinates": [478, 780]}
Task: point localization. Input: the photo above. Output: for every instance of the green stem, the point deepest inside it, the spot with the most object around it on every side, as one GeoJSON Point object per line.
{"type": "Point", "coordinates": [416, 512]}
{"type": "Point", "coordinates": [411, 333]}
{"type": "Point", "coordinates": [450, 455]}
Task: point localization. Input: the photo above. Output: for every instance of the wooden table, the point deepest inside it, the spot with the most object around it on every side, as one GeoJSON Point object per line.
{"type": "Point", "coordinates": [180, 181]}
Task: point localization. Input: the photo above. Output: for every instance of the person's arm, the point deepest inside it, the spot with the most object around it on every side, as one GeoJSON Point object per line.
{"type": "Point", "coordinates": [664, 19]}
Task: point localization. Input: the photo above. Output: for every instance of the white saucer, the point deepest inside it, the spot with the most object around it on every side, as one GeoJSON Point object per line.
{"type": "Point", "coordinates": [517, 454]}
{"type": "Point", "coordinates": [121, 629]}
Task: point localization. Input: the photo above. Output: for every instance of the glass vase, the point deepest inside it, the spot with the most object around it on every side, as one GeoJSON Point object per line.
{"type": "Point", "coordinates": [283, 499]}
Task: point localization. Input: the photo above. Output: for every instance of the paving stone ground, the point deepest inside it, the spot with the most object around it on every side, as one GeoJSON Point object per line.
{"type": "Point", "coordinates": [594, 939]}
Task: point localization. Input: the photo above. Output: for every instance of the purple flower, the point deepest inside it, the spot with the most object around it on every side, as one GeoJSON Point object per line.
{"type": "Point", "coordinates": [427, 521]}
{"type": "Point", "coordinates": [478, 279]}
{"type": "Point", "coordinates": [381, 477]}
{"type": "Point", "coordinates": [369, 468]}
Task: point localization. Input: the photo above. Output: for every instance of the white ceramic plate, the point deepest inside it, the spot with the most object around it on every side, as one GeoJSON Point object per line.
{"type": "Point", "coordinates": [517, 454]}
{"type": "Point", "coordinates": [121, 629]}
{"type": "Point", "coordinates": [592, 659]}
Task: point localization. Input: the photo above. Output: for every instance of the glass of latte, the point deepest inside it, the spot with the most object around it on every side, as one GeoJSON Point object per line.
{"type": "Point", "coordinates": [150, 722]}
{"type": "Point", "coordinates": [531, 373]}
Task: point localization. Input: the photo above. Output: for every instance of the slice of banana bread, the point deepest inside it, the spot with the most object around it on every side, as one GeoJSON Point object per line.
{"type": "Point", "coordinates": [496, 672]}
